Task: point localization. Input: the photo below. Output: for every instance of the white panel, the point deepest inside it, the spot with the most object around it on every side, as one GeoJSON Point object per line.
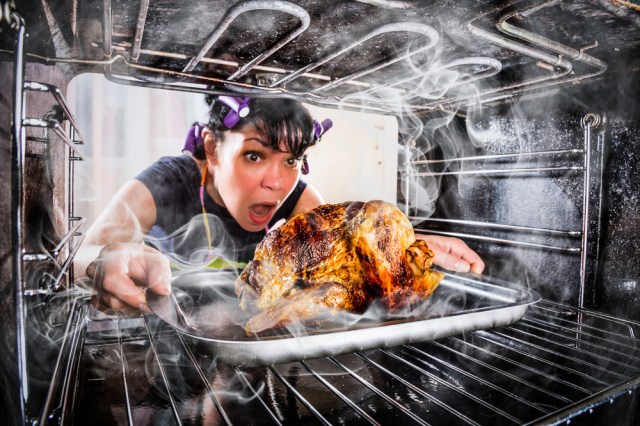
{"type": "Point", "coordinates": [357, 159]}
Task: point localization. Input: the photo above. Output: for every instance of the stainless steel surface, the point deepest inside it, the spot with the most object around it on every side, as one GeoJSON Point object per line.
{"type": "Point", "coordinates": [459, 305]}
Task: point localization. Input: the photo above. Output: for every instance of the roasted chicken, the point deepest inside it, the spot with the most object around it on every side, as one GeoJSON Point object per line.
{"type": "Point", "coordinates": [335, 257]}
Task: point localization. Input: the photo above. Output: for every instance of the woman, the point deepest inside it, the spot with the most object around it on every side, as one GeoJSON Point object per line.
{"type": "Point", "coordinates": [243, 176]}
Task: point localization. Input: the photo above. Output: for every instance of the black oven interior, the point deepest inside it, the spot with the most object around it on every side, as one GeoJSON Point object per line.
{"type": "Point", "coordinates": [519, 133]}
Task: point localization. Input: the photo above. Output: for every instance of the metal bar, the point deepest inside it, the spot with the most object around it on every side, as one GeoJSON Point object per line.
{"type": "Point", "coordinates": [340, 395]}
{"type": "Point", "coordinates": [17, 209]}
{"type": "Point", "coordinates": [305, 20]}
{"type": "Point", "coordinates": [234, 64]}
{"type": "Point", "coordinates": [513, 377]}
{"type": "Point", "coordinates": [107, 28]}
{"type": "Point", "coordinates": [163, 373]}
{"type": "Point", "coordinates": [124, 370]}
{"type": "Point", "coordinates": [298, 395]}
{"type": "Point", "coordinates": [378, 392]}
{"type": "Point", "coordinates": [589, 121]}
{"type": "Point", "coordinates": [247, 87]}
{"type": "Point", "coordinates": [497, 226]}
{"type": "Point", "coordinates": [399, 26]}
{"type": "Point", "coordinates": [461, 391]}
{"type": "Point", "coordinates": [503, 241]}
{"type": "Point", "coordinates": [476, 378]}
{"type": "Point", "coordinates": [234, 12]}
{"type": "Point", "coordinates": [137, 36]}
{"type": "Point", "coordinates": [71, 201]}
{"type": "Point", "coordinates": [368, 70]}
{"type": "Point", "coordinates": [53, 124]}
{"type": "Point", "coordinates": [589, 403]}
{"type": "Point", "coordinates": [203, 377]}
{"type": "Point", "coordinates": [494, 65]}
{"type": "Point", "coordinates": [545, 349]}
{"type": "Point", "coordinates": [582, 325]}
{"type": "Point", "coordinates": [69, 394]}
{"type": "Point", "coordinates": [65, 266]}
{"type": "Point", "coordinates": [499, 156]}
{"type": "Point", "coordinates": [57, 94]}
{"type": "Point", "coordinates": [537, 39]}
{"type": "Point", "coordinates": [541, 323]}
{"type": "Point", "coordinates": [498, 171]}
{"type": "Point", "coordinates": [69, 337]}
{"type": "Point", "coordinates": [57, 249]}
{"type": "Point", "coordinates": [418, 390]}
{"type": "Point", "coordinates": [606, 317]}
{"type": "Point", "coordinates": [509, 91]}
{"type": "Point", "coordinates": [576, 349]}
{"type": "Point", "coordinates": [264, 404]}
{"type": "Point", "coordinates": [585, 214]}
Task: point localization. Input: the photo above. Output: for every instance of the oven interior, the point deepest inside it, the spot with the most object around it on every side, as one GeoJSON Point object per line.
{"type": "Point", "coordinates": [517, 132]}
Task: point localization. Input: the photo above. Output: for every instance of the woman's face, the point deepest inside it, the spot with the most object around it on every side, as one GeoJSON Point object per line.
{"type": "Point", "coordinates": [250, 178]}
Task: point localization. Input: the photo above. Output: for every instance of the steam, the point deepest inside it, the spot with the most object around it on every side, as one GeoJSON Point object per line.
{"type": "Point", "coordinates": [188, 248]}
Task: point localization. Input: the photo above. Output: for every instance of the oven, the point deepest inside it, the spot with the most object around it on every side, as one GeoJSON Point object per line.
{"type": "Point", "coordinates": [517, 131]}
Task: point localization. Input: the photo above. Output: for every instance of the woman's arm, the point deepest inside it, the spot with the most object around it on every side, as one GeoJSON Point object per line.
{"type": "Point", "coordinates": [119, 267]}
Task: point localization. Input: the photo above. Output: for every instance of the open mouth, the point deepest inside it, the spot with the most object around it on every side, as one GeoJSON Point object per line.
{"type": "Point", "coordinates": [261, 213]}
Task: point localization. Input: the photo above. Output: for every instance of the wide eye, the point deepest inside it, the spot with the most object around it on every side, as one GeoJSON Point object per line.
{"type": "Point", "coordinates": [254, 157]}
{"type": "Point", "coordinates": [292, 162]}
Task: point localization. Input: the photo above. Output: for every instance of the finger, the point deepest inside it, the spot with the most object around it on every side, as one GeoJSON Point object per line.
{"type": "Point", "coordinates": [121, 290]}
{"type": "Point", "coordinates": [158, 273]}
{"type": "Point", "coordinates": [91, 269]}
{"type": "Point", "coordinates": [460, 249]}
{"type": "Point", "coordinates": [150, 269]}
{"type": "Point", "coordinates": [451, 262]}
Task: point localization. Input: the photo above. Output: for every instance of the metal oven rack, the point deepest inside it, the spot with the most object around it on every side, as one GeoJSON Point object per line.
{"type": "Point", "coordinates": [60, 285]}
{"type": "Point", "coordinates": [556, 363]}
{"type": "Point", "coordinates": [590, 166]}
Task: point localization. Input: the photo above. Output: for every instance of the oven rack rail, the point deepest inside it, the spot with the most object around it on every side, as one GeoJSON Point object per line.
{"type": "Point", "coordinates": [67, 244]}
{"type": "Point", "coordinates": [72, 139]}
{"type": "Point", "coordinates": [589, 164]}
{"type": "Point", "coordinates": [556, 363]}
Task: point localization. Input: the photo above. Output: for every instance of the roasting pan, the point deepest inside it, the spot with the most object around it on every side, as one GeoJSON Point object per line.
{"type": "Point", "coordinates": [204, 307]}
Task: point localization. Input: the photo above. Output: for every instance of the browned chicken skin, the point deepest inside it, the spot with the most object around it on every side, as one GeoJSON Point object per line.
{"type": "Point", "coordinates": [335, 257]}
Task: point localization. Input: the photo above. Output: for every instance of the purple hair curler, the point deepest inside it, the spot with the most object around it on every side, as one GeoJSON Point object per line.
{"type": "Point", "coordinates": [305, 166]}
{"type": "Point", "coordinates": [320, 128]}
{"type": "Point", "coordinates": [239, 108]}
{"type": "Point", "coordinates": [193, 138]}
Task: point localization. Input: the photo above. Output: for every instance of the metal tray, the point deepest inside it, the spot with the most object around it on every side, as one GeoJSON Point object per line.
{"type": "Point", "coordinates": [462, 303]}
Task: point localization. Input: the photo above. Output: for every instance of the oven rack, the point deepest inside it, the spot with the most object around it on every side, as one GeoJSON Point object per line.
{"type": "Point", "coordinates": [589, 163]}
{"type": "Point", "coordinates": [71, 139]}
{"type": "Point", "coordinates": [556, 363]}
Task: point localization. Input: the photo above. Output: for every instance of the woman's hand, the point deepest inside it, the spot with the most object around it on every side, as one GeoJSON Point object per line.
{"type": "Point", "coordinates": [123, 272]}
{"type": "Point", "coordinates": [453, 254]}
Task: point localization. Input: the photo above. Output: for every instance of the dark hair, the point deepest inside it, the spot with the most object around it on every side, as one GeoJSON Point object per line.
{"type": "Point", "coordinates": [277, 119]}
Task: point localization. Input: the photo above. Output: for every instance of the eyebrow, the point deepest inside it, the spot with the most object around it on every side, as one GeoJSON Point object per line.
{"type": "Point", "coordinates": [260, 141]}
{"type": "Point", "coordinates": [266, 144]}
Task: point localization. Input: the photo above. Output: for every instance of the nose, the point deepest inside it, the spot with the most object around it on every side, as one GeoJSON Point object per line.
{"type": "Point", "coordinates": [273, 177]}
